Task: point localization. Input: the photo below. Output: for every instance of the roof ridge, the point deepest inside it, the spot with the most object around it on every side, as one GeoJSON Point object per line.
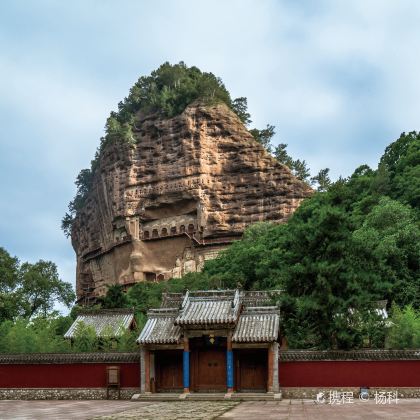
{"type": "Point", "coordinates": [103, 311]}
{"type": "Point", "coordinates": [265, 309]}
{"type": "Point", "coordinates": [159, 312]}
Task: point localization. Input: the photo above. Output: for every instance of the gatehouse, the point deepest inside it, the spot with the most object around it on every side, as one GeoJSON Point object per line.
{"type": "Point", "coordinates": [211, 341]}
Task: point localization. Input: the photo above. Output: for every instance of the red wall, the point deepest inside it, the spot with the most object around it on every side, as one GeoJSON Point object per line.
{"type": "Point", "coordinates": [75, 375]}
{"type": "Point", "coordinates": [401, 373]}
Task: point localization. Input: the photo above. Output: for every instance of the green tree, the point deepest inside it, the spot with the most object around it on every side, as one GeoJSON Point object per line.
{"type": "Point", "coordinates": [404, 332]}
{"type": "Point", "coordinates": [115, 297]}
{"type": "Point", "coordinates": [107, 341]}
{"type": "Point", "coordinates": [300, 170]}
{"type": "Point", "coordinates": [9, 278]}
{"type": "Point", "coordinates": [402, 161]}
{"type": "Point", "coordinates": [323, 279]}
{"type": "Point", "coordinates": [242, 264]}
{"type": "Point", "coordinates": [19, 338]}
{"type": "Point", "coordinates": [322, 179]}
{"type": "Point", "coordinates": [30, 289]}
{"type": "Point", "coordinates": [264, 136]}
{"type": "Point", "coordinates": [83, 184]}
{"type": "Point", "coordinates": [47, 336]}
{"type": "Point", "coordinates": [85, 339]}
{"type": "Point", "coordinates": [67, 224]}
{"type": "Point", "coordinates": [40, 288]}
{"type": "Point", "coordinates": [169, 89]}
{"type": "Point", "coordinates": [240, 107]}
{"type": "Point", "coordinates": [390, 237]}
{"type": "Point", "coordinates": [281, 155]}
{"type": "Point", "coordinates": [127, 341]}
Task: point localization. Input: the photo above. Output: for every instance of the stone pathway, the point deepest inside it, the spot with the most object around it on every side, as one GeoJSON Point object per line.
{"type": "Point", "coordinates": [297, 409]}
{"type": "Point", "coordinates": [176, 410]}
{"type": "Point", "coordinates": [53, 410]}
{"type": "Point", "coordinates": [408, 409]}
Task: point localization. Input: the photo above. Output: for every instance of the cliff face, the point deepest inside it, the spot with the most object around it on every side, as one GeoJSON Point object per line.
{"type": "Point", "coordinates": [162, 206]}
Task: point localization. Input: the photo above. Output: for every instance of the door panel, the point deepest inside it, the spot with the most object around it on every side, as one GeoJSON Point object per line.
{"type": "Point", "coordinates": [251, 368]}
{"type": "Point", "coordinates": [209, 370]}
{"type": "Point", "coordinates": [168, 367]}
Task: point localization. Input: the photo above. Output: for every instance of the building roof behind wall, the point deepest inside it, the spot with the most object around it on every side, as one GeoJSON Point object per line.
{"type": "Point", "coordinates": [106, 322]}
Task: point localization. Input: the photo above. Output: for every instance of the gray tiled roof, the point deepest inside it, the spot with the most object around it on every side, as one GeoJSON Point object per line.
{"type": "Point", "coordinates": [113, 322]}
{"type": "Point", "coordinates": [256, 298]}
{"type": "Point", "coordinates": [172, 300]}
{"type": "Point", "coordinates": [260, 324]}
{"type": "Point", "coordinates": [160, 327]}
{"type": "Point", "coordinates": [209, 307]}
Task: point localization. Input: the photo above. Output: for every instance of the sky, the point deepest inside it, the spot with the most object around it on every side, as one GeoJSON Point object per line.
{"type": "Point", "coordinates": [339, 80]}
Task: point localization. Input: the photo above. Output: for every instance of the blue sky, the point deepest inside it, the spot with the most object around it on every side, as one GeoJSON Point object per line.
{"type": "Point", "coordinates": [339, 80]}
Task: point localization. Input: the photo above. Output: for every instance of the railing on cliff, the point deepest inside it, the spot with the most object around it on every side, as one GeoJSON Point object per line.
{"type": "Point", "coordinates": [197, 240]}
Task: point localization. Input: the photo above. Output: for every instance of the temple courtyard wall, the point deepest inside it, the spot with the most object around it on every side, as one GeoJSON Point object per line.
{"type": "Point", "coordinates": [302, 374]}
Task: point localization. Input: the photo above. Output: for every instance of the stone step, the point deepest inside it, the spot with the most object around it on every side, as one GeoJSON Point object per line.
{"type": "Point", "coordinates": [157, 397]}
{"type": "Point", "coordinates": [252, 398]}
{"type": "Point", "coordinates": [199, 396]}
{"type": "Point", "coordinates": [204, 396]}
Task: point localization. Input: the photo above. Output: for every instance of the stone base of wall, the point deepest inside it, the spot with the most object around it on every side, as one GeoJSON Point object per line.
{"type": "Point", "coordinates": [65, 393]}
{"type": "Point", "coordinates": [311, 393]}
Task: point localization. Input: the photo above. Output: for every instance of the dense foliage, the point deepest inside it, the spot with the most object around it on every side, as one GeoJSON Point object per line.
{"type": "Point", "coordinates": [404, 332]}
{"type": "Point", "coordinates": [45, 335]}
{"type": "Point", "coordinates": [28, 290]}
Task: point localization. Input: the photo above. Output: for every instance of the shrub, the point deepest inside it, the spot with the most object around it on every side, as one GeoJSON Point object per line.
{"type": "Point", "coordinates": [404, 332]}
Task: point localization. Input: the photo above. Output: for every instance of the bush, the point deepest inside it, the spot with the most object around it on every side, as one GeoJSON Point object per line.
{"type": "Point", "coordinates": [404, 332]}
{"type": "Point", "coordinates": [85, 339]}
{"type": "Point", "coordinates": [38, 335]}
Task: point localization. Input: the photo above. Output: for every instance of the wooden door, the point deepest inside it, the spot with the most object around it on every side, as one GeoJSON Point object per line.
{"type": "Point", "coordinates": [251, 368]}
{"type": "Point", "coordinates": [168, 368]}
{"type": "Point", "coordinates": [209, 370]}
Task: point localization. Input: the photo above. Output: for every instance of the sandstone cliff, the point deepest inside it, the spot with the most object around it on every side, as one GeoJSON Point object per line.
{"type": "Point", "coordinates": [185, 188]}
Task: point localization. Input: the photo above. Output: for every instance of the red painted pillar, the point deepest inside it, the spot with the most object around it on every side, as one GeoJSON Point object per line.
{"type": "Point", "coordinates": [147, 370]}
{"type": "Point", "coordinates": [270, 370]}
